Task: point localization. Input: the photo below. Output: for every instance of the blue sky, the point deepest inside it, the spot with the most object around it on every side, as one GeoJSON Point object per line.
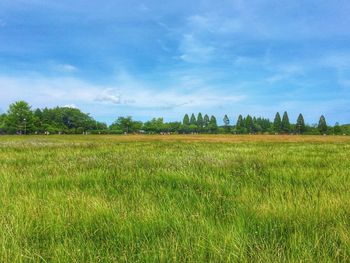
{"type": "Point", "coordinates": [166, 58]}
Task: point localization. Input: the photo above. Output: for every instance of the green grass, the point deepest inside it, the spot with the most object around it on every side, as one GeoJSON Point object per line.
{"type": "Point", "coordinates": [105, 199]}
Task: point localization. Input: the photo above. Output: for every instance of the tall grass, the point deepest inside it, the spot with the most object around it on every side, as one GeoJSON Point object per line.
{"type": "Point", "coordinates": [105, 199]}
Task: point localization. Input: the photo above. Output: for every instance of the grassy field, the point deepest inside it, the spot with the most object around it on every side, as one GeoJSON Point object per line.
{"type": "Point", "coordinates": [174, 199]}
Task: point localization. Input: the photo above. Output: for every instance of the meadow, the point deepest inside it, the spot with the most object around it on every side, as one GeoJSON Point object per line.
{"type": "Point", "coordinates": [194, 198]}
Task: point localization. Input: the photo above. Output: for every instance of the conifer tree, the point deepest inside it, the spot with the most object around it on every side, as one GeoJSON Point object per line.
{"type": "Point", "coordinates": [249, 124]}
{"type": "Point", "coordinates": [186, 120]}
{"type": "Point", "coordinates": [206, 120]}
{"type": "Point", "coordinates": [285, 127]}
{"type": "Point", "coordinates": [226, 123]}
{"type": "Point", "coordinates": [277, 123]}
{"type": "Point", "coordinates": [213, 121]}
{"type": "Point", "coordinates": [239, 124]}
{"type": "Point", "coordinates": [322, 125]}
{"type": "Point", "coordinates": [213, 124]}
{"type": "Point", "coordinates": [193, 120]}
{"type": "Point", "coordinates": [200, 121]}
{"type": "Point", "coordinates": [300, 126]}
{"type": "Point", "coordinates": [226, 120]}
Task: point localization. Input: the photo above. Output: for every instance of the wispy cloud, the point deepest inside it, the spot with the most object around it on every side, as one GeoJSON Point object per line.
{"type": "Point", "coordinates": [126, 90]}
{"type": "Point", "coordinates": [194, 51]}
{"type": "Point", "coordinates": [109, 96]}
{"type": "Point", "coordinates": [214, 24]}
{"type": "Point", "coordinates": [68, 68]}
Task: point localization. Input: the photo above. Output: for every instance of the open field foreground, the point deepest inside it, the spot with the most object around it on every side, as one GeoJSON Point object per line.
{"type": "Point", "coordinates": [174, 198]}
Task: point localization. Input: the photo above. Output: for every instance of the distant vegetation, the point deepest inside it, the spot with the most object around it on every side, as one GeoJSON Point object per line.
{"type": "Point", "coordinates": [22, 119]}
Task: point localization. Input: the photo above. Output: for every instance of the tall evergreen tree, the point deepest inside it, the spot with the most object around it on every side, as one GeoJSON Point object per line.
{"type": "Point", "coordinates": [213, 126]}
{"type": "Point", "coordinates": [239, 124]}
{"type": "Point", "coordinates": [200, 121]}
{"type": "Point", "coordinates": [213, 120]}
{"type": "Point", "coordinates": [193, 120]}
{"type": "Point", "coordinates": [300, 126]}
{"type": "Point", "coordinates": [277, 123]}
{"type": "Point", "coordinates": [285, 127]}
{"type": "Point", "coordinates": [322, 125]}
{"type": "Point", "coordinates": [249, 124]}
{"type": "Point", "coordinates": [226, 120]}
{"type": "Point", "coordinates": [206, 120]}
{"type": "Point", "coordinates": [226, 123]}
{"type": "Point", "coordinates": [186, 120]}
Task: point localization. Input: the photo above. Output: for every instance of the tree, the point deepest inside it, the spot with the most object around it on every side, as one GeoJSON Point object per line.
{"type": "Point", "coordinates": [186, 120]}
{"type": "Point", "coordinates": [300, 125]}
{"type": "Point", "coordinates": [65, 120]}
{"type": "Point", "coordinates": [206, 120]}
{"type": "Point", "coordinates": [226, 123]}
{"type": "Point", "coordinates": [285, 126]}
{"type": "Point", "coordinates": [126, 125]}
{"type": "Point", "coordinates": [249, 124]}
{"type": "Point", "coordinates": [226, 120]}
{"type": "Point", "coordinates": [155, 125]}
{"type": "Point", "coordinates": [277, 123]}
{"type": "Point", "coordinates": [200, 121]}
{"type": "Point", "coordinates": [173, 127]}
{"type": "Point", "coordinates": [20, 118]}
{"type": "Point", "coordinates": [262, 124]}
{"type": "Point", "coordinates": [322, 125]}
{"type": "Point", "coordinates": [2, 123]}
{"type": "Point", "coordinates": [213, 126]}
{"type": "Point", "coordinates": [193, 120]}
{"type": "Point", "coordinates": [240, 124]}
{"type": "Point", "coordinates": [337, 129]}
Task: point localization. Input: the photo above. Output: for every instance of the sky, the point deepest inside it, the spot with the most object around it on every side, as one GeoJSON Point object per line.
{"type": "Point", "coordinates": [166, 58]}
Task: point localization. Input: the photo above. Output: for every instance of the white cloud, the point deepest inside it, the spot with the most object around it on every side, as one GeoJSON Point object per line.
{"type": "Point", "coordinates": [126, 91]}
{"type": "Point", "coordinates": [72, 106]}
{"type": "Point", "coordinates": [194, 51]}
{"type": "Point", "coordinates": [214, 24]}
{"type": "Point", "coordinates": [109, 96]}
{"type": "Point", "coordinates": [68, 68]}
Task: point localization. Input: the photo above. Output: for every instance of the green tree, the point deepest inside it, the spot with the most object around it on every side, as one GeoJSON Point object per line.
{"type": "Point", "coordinates": [206, 120]}
{"type": "Point", "coordinates": [322, 125]}
{"type": "Point", "coordinates": [337, 129]}
{"type": "Point", "coordinates": [277, 123]}
{"type": "Point", "coordinates": [300, 125]}
{"type": "Point", "coordinates": [193, 120]}
{"type": "Point", "coordinates": [156, 125]}
{"type": "Point", "coordinates": [249, 124]}
{"type": "Point", "coordinates": [240, 124]}
{"type": "Point", "coordinates": [2, 123]}
{"type": "Point", "coordinates": [285, 127]}
{"type": "Point", "coordinates": [186, 120]}
{"type": "Point", "coordinates": [213, 126]}
{"type": "Point", "coordinates": [20, 118]}
{"type": "Point", "coordinates": [200, 121]}
{"type": "Point", "coordinates": [226, 123]}
{"type": "Point", "coordinates": [126, 125]}
{"type": "Point", "coordinates": [226, 120]}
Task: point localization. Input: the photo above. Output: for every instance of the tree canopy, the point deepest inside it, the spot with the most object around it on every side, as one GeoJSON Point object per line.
{"type": "Point", "coordinates": [20, 118]}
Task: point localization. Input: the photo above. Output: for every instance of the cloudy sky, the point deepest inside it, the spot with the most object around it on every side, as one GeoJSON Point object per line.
{"type": "Point", "coordinates": [166, 58]}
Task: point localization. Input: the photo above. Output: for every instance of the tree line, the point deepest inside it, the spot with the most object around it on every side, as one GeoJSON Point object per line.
{"type": "Point", "coordinates": [21, 119]}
